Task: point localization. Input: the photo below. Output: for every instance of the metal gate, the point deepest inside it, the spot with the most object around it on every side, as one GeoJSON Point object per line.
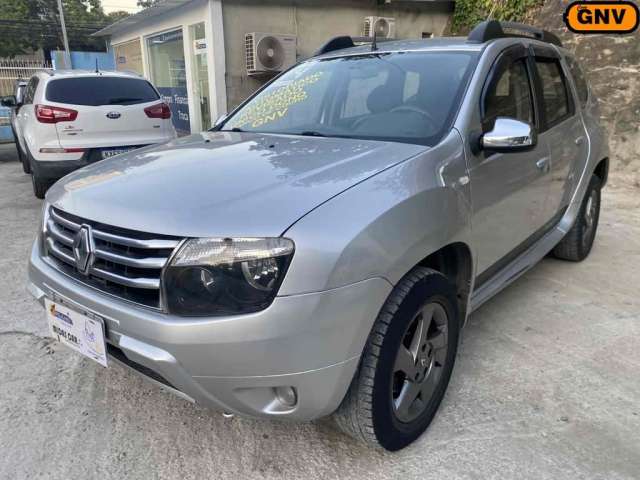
{"type": "Point", "coordinates": [12, 70]}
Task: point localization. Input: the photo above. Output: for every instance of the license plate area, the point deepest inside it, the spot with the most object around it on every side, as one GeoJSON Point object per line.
{"type": "Point", "coordinates": [83, 332]}
{"type": "Point", "coordinates": [112, 152]}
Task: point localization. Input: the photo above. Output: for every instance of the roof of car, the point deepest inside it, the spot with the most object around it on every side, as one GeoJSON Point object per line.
{"type": "Point", "coordinates": [87, 73]}
{"type": "Point", "coordinates": [422, 45]}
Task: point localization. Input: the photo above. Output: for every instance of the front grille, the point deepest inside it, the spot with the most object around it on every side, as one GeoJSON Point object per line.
{"type": "Point", "coordinates": [126, 263]}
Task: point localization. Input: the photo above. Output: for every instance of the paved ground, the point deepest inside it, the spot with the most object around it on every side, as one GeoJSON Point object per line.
{"type": "Point", "coordinates": [547, 386]}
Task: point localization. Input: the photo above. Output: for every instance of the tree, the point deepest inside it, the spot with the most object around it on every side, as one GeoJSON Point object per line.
{"type": "Point", "coordinates": [31, 24]}
{"type": "Point", "coordinates": [16, 38]}
{"type": "Point", "coordinates": [116, 16]}
{"type": "Point", "coordinates": [147, 3]}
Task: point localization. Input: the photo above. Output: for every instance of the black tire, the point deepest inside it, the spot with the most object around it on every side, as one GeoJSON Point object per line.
{"type": "Point", "coordinates": [22, 158]}
{"type": "Point", "coordinates": [40, 185]}
{"type": "Point", "coordinates": [577, 243]}
{"type": "Point", "coordinates": [369, 411]}
{"type": "Point", "coordinates": [26, 166]}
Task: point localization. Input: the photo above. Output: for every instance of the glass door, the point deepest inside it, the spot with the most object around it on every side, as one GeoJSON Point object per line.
{"type": "Point", "coordinates": [200, 74]}
{"type": "Point", "coordinates": [167, 68]}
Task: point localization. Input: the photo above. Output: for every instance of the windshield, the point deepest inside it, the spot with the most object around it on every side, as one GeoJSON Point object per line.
{"type": "Point", "coordinates": [98, 90]}
{"type": "Point", "coordinates": [408, 97]}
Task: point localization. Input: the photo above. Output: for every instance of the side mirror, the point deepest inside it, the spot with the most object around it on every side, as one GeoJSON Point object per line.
{"type": "Point", "coordinates": [9, 101]}
{"type": "Point", "coordinates": [509, 134]}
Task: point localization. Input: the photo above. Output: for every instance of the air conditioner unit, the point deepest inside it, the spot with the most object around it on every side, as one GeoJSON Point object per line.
{"type": "Point", "coordinates": [384, 27]}
{"type": "Point", "coordinates": [269, 53]}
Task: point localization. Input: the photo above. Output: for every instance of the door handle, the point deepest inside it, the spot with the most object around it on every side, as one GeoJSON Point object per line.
{"type": "Point", "coordinates": [579, 140]}
{"type": "Point", "coordinates": [543, 164]}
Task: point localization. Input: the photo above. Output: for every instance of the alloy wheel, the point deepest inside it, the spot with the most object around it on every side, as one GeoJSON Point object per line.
{"type": "Point", "coordinates": [590, 214]}
{"type": "Point", "coordinates": [419, 362]}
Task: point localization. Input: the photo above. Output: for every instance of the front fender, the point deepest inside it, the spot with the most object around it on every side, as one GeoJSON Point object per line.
{"type": "Point", "coordinates": [385, 225]}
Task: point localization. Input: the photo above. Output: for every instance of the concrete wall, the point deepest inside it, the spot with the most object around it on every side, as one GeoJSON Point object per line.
{"type": "Point", "coordinates": [314, 22]}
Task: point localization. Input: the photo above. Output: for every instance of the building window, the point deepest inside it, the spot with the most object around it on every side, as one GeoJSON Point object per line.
{"type": "Point", "coordinates": [128, 57]}
{"type": "Point", "coordinates": [200, 75]}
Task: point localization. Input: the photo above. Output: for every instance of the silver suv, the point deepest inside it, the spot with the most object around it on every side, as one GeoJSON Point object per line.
{"type": "Point", "coordinates": [319, 250]}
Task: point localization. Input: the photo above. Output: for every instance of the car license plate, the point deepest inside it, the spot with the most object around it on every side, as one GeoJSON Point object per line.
{"type": "Point", "coordinates": [77, 331]}
{"type": "Point", "coordinates": [112, 152]}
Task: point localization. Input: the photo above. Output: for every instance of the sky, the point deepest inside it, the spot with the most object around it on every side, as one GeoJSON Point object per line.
{"type": "Point", "coordinates": [114, 5]}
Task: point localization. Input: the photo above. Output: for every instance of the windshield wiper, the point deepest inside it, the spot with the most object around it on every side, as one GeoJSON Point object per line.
{"type": "Point", "coordinates": [311, 133]}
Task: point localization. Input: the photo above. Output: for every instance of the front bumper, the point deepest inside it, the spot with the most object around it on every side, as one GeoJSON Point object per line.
{"type": "Point", "coordinates": [311, 342]}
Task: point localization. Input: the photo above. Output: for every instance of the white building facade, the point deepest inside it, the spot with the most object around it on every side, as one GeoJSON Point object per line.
{"type": "Point", "coordinates": [194, 51]}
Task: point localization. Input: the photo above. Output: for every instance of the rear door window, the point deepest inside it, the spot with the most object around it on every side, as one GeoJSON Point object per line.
{"type": "Point", "coordinates": [30, 91]}
{"type": "Point", "coordinates": [96, 91]}
{"type": "Point", "coordinates": [582, 88]}
{"type": "Point", "coordinates": [556, 102]}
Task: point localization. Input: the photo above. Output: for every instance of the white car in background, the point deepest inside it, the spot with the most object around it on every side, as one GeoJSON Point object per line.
{"type": "Point", "coordinates": [69, 119]}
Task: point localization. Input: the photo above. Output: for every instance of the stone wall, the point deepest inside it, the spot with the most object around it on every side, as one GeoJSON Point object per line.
{"type": "Point", "coordinates": [612, 64]}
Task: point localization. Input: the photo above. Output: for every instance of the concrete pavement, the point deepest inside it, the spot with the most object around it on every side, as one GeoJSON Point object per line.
{"type": "Point", "coordinates": [547, 386]}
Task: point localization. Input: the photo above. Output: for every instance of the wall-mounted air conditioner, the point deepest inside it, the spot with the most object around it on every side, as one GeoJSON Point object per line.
{"type": "Point", "coordinates": [269, 53]}
{"type": "Point", "coordinates": [384, 27]}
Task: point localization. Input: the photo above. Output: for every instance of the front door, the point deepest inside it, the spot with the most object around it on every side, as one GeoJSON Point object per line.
{"type": "Point", "coordinates": [508, 189]}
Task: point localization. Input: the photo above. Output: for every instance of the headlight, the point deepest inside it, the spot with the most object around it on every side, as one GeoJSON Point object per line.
{"type": "Point", "coordinates": [226, 276]}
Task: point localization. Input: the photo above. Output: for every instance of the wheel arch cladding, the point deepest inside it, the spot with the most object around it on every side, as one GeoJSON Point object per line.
{"type": "Point", "coordinates": [454, 261]}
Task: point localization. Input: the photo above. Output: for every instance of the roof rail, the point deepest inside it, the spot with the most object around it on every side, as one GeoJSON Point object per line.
{"type": "Point", "coordinates": [492, 29]}
{"type": "Point", "coordinates": [345, 41]}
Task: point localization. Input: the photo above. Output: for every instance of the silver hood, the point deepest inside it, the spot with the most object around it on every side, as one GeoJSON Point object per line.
{"type": "Point", "coordinates": [221, 183]}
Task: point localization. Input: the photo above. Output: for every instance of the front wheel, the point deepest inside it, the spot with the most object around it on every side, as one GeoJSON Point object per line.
{"type": "Point", "coordinates": [406, 364]}
{"type": "Point", "coordinates": [577, 243]}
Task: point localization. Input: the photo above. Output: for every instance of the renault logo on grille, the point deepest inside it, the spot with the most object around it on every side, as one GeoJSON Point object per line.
{"type": "Point", "coordinates": [83, 249]}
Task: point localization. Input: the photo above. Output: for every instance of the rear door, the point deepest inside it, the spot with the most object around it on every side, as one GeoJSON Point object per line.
{"type": "Point", "coordinates": [111, 111]}
{"type": "Point", "coordinates": [508, 188]}
{"type": "Point", "coordinates": [25, 114]}
{"type": "Point", "coordinates": [561, 129]}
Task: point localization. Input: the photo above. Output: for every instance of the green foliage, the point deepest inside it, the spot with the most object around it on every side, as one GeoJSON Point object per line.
{"type": "Point", "coordinates": [147, 3]}
{"type": "Point", "coordinates": [27, 25]}
{"type": "Point", "coordinates": [113, 17]}
{"type": "Point", "coordinates": [469, 13]}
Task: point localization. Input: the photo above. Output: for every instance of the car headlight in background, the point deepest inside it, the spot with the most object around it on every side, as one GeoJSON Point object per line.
{"type": "Point", "coordinates": [226, 276]}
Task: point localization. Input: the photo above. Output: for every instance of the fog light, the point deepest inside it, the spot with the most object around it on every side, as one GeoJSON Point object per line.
{"type": "Point", "coordinates": [287, 396]}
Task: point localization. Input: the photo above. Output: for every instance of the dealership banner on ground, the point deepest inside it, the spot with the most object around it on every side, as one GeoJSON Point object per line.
{"type": "Point", "coordinates": [178, 101]}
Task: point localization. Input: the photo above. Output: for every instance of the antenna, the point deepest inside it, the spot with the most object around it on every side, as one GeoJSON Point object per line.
{"type": "Point", "coordinates": [374, 44]}
{"type": "Point", "coordinates": [97, 71]}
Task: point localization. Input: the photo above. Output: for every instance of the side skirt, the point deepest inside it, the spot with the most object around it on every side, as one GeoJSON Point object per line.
{"type": "Point", "coordinates": [523, 262]}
